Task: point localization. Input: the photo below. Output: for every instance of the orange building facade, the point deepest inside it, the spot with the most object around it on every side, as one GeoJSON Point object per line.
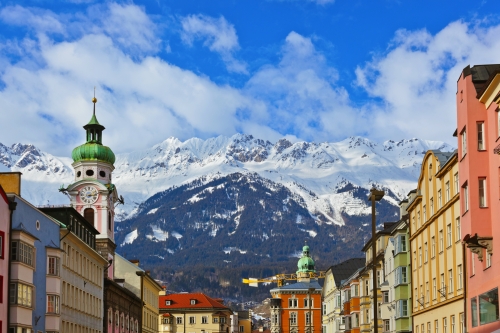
{"type": "Point", "coordinates": [478, 132]}
{"type": "Point", "coordinates": [296, 308]}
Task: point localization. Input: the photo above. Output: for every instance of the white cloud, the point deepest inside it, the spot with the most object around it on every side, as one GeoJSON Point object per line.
{"type": "Point", "coordinates": [218, 35]}
{"type": "Point", "coordinates": [416, 78]}
{"type": "Point", "coordinates": [39, 19]}
{"type": "Point", "coordinates": [302, 94]}
{"type": "Point", "coordinates": [48, 84]}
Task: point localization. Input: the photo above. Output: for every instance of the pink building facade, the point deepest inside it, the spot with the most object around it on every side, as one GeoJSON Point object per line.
{"type": "Point", "coordinates": [4, 258]}
{"type": "Point", "coordinates": [478, 132]}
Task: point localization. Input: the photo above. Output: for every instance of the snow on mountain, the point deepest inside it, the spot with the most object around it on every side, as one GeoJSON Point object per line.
{"type": "Point", "coordinates": [317, 172]}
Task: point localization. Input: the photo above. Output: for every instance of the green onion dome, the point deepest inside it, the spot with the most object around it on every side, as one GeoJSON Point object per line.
{"type": "Point", "coordinates": [306, 263]}
{"type": "Point", "coordinates": [93, 152]}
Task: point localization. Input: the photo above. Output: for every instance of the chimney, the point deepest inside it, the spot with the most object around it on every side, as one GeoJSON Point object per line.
{"type": "Point", "coordinates": [134, 261]}
{"type": "Point", "coordinates": [11, 182]}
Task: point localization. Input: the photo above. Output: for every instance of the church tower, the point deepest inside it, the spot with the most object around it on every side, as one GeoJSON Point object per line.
{"type": "Point", "coordinates": [92, 193]}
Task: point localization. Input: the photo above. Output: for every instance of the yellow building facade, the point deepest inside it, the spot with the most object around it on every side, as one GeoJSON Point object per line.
{"type": "Point", "coordinates": [437, 265]}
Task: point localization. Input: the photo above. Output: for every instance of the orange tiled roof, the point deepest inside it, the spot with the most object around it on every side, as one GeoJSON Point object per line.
{"type": "Point", "coordinates": [183, 301]}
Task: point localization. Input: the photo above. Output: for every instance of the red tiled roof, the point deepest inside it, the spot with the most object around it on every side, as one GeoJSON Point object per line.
{"type": "Point", "coordinates": [184, 301]}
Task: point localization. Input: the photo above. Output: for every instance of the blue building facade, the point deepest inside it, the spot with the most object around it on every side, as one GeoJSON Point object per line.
{"type": "Point", "coordinates": [35, 284]}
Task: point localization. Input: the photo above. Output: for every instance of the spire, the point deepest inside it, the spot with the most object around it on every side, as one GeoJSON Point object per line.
{"type": "Point", "coordinates": [93, 128]}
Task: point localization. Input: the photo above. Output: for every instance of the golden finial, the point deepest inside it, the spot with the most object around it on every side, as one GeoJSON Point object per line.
{"type": "Point", "coordinates": [94, 100]}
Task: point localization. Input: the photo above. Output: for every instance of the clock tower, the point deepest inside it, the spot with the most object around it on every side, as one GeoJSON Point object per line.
{"type": "Point", "coordinates": [92, 193]}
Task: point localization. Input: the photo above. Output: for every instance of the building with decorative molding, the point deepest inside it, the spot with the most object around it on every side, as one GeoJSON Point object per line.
{"type": "Point", "coordinates": [296, 308]}
{"type": "Point", "coordinates": [478, 132]}
{"type": "Point", "coordinates": [82, 272]}
{"type": "Point", "coordinates": [193, 313]}
{"type": "Point", "coordinates": [437, 269]}
{"type": "Point", "coordinates": [333, 319]}
{"type": "Point", "coordinates": [94, 196]}
{"type": "Point", "coordinates": [5, 210]}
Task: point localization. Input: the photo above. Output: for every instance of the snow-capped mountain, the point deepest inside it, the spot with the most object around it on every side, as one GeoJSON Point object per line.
{"type": "Point", "coordinates": [316, 172]}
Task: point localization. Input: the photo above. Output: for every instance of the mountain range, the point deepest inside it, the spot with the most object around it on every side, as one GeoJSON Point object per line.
{"type": "Point", "coordinates": [239, 203]}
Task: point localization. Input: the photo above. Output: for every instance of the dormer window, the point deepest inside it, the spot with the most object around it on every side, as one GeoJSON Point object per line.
{"type": "Point", "coordinates": [193, 302]}
{"type": "Point", "coordinates": [168, 302]}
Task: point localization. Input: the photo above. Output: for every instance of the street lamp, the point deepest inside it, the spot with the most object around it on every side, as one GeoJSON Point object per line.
{"type": "Point", "coordinates": [310, 316]}
{"type": "Point", "coordinates": [375, 195]}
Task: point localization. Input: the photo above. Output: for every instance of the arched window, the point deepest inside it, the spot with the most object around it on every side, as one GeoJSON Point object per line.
{"type": "Point", "coordinates": [110, 223]}
{"type": "Point", "coordinates": [88, 214]}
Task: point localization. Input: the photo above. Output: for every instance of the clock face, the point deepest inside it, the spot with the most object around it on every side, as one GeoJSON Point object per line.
{"type": "Point", "coordinates": [89, 194]}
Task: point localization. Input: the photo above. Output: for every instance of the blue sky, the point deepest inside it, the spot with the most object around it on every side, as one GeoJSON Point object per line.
{"type": "Point", "coordinates": [317, 70]}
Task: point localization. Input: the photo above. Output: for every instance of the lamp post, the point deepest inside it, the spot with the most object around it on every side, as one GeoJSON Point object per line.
{"type": "Point", "coordinates": [310, 315]}
{"type": "Point", "coordinates": [375, 195]}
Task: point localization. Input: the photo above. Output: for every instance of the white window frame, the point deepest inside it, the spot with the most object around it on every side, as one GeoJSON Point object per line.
{"type": "Point", "coordinates": [482, 192]}
{"type": "Point", "coordinates": [481, 144]}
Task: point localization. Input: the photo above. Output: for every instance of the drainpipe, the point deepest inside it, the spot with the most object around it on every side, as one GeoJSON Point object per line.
{"type": "Point", "coordinates": [465, 284]}
{"type": "Point", "coordinates": [12, 208]}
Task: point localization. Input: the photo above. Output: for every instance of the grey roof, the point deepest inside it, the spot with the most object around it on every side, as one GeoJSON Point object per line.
{"type": "Point", "coordinates": [482, 76]}
{"type": "Point", "coordinates": [300, 286]}
{"type": "Point", "coordinates": [345, 269]}
{"type": "Point", "coordinates": [442, 156]}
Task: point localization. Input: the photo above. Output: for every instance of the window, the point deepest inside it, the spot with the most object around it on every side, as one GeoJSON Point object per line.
{"type": "Point", "coordinates": [450, 281]}
{"type": "Point", "coordinates": [168, 302]}
{"type": "Point", "coordinates": [440, 202]}
{"type": "Point", "coordinates": [193, 302]}
{"type": "Point", "coordinates": [52, 304]}
{"type": "Point", "coordinates": [192, 320]}
{"type": "Point", "coordinates": [418, 217]}
{"type": "Point", "coordinates": [445, 325]}
{"type": "Point", "coordinates": [53, 268]}
{"type": "Point", "coordinates": [459, 277]}
{"type": "Point", "coordinates": [21, 294]}
{"type": "Point", "coordinates": [88, 214]}
{"type": "Point", "coordinates": [488, 307]}
{"type": "Point", "coordinates": [387, 325]}
{"type": "Point", "coordinates": [452, 324]}
{"type": "Point", "coordinates": [2, 237]}
{"type": "Point", "coordinates": [473, 264]}
{"type": "Point", "coordinates": [429, 327]}
{"type": "Point", "coordinates": [466, 197]}
{"type": "Point", "coordinates": [179, 320]}
{"type": "Point", "coordinates": [204, 320]}
{"type": "Point", "coordinates": [443, 287]}
{"type": "Point", "coordinates": [293, 318]}
{"type": "Point", "coordinates": [434, 289]}
{"type": "Point", "coordinates": [308, 318]}
{"type": "Point", "coordinates": [425, 214]}
{"type": "Point", "coordinates": [306, 303]}
{"type": "Point", "coordinates": [448, 235]}
{"type": "Point", "coordinates": [401, 308]}
{"type": "Point", "coordinates": [432, 206]}
{"type": "Point", "coordinates": [480, 136]}
{"type": "Point", "coordinates": [458, 231]}
{"type": "Point", "coordinates": [436, 326]}
{"type": "Point", "coordinates": [420, 256]}
{"type": "Point", "coordinates": [433, 247]}
{"type": "Point", "coordinates": [441, 241]}
{"type": "Point", "coordinates": [455, 177]}
{"type": "Point", "coordinates": [400, 244]}
{"type": "Point", "coordinates": [324, 309]}
{"type": "Point", "coordinates": [294, 303]}
{"type": "Point", "coordinates": [447, 189]}
{"type": "Point", "coordinates": [427, 296]}
{"type": "Point", "coordinates": [464, 142]}
{"type": "Point", "coordinates": [498, 123]}
{"type": "Point", "coordinates": [482, 192]}
{"type": "Point", "coordinates": [22, 252]}
{"type": "Point", "coordinates": [473, 307]}
{"type": "Point", "coordinates": [488, 259]}
{"type": "Point", "coordinates": [426, 252]}
{"type": "Point", "coordinates": [385, 296]}
{"type": "Point", "coordinates": [462, 323]}
{"type": "Point", "coordinates": [401, 275]}
{"type": "Point", "coordinates": [242, 329]}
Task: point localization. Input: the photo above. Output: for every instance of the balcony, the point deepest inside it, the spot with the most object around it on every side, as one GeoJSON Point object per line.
{"type": "Point", "coordinates": [347, 308]}
{"type": "Point", "coordinates": [365, 300]}
{"type": "Point", "coordinates": [354, 304]}
{"type": "Point", "coordinates": [365, 328]}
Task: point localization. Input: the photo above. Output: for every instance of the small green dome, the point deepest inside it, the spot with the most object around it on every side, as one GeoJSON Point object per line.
{"type": "Point", "coordinates": [93, 152]}
{"type": "Point", "coordinates": [305, 264]}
